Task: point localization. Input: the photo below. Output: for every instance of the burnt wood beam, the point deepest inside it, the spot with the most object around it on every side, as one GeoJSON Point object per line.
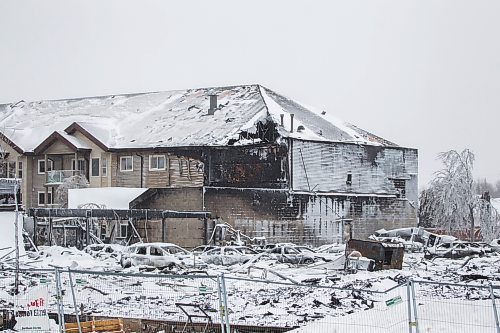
{"type": "Point", "coordinates": [116, 213]}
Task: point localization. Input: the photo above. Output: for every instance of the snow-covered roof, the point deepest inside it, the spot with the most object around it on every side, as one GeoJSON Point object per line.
{"type": "Point", "coordinates": [104, 197]}
{"type": "Point", "coordinates": [173, 119]}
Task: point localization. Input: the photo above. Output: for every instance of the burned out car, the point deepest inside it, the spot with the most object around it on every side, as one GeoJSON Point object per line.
{"type": "Point", "coordinates": [159, 255]}
{"type": "Point", "coordinates": [228, 255]}
{"type": "Point", "coordinates": [291, 255]}
{"type": "Point", "coordinates": [104, 250]}
{"type": "Point", "coordinates": [457, 249]}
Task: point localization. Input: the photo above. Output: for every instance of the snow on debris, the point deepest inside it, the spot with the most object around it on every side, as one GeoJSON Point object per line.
{"type": "Point", "coordinates": [7, 236]}
{"type": "Point", "coordinates": [171, 118]}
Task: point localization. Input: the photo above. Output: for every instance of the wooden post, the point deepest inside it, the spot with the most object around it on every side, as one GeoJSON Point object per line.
{"type": "Point", "coordinates": [35, 231]}
{"type": "Point", "coordinates": [46, 180]}
{"type": "Point", "coordinates": [50, 231]}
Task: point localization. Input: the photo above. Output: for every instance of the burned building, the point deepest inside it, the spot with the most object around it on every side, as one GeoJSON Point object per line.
{"type": "Point", "coordinates": [253, 158]}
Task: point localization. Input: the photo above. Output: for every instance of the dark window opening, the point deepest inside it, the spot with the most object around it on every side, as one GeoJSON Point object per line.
{"type": "Point", "coordinates": [95, 167]}
{"type": "Point", "coordinates": [400, 185]}
{"type": "Point", "coordinates": [349, 179]}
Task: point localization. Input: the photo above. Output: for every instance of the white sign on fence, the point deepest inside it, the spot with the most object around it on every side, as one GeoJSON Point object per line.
{"type": "Point", "coordinates": [31, 311]}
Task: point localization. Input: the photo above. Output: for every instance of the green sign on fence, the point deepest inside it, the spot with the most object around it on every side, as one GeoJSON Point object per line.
{"type": "Point", "coordinates": [393, 301]}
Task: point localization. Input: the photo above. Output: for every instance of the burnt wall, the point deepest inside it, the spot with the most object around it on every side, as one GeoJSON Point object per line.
{"type": "Point", "coordinates": [185, 232]}
{"type": "Point", "coordinates": [255, 166]}
{"type": "Point", "coordinates": [306, 219]}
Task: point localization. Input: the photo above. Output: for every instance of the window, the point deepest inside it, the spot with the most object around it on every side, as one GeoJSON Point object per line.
{"type": "Point", "coordinates": [400, 185]}
{"type": "Point", "coordinates": [154, 251]}
{"type": "Point", "coordinates": [95, 167]}
{"type": "Point", "coordinates": [80, 166]}
{"type": "Point", "coordinates": [12, 170]}
{"type": "Point", "coordinates": [41, 199]}
{"type": "Point", "coordinates": [349, 178]}
{"type": "Point", "coordinates": [157, 162]}
{"type": "Point", "coordinates": [104, 167]}
{"type": "Point", "coordinates": [142, 250]}
{"type": "Point", "coordinates": [19, 169]}
{"type": "Point", "coordinates": [126, 163]}
{"type": "Point", "coordinates": [41, 166]}
{"type": "Point", "coordinates": [123, 230]}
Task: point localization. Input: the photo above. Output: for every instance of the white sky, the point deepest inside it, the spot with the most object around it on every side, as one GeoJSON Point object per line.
{"type": "Point", "coordinates": [424, 74]}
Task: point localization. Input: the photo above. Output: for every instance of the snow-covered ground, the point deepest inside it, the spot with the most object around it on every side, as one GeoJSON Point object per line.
{"type": "Point", "coordinates": [326, 299]}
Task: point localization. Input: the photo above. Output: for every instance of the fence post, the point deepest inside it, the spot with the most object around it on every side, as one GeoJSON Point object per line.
{"type": "Point", "coordinates": [60, 307]}
{"type": "Point", "coordinates": [495, 312]}
{"type": "Point", "coordinates": [415, 316]}
{"type": "Point", "coordinates": [74, 301]}
{"type": "Point", "coordinates": [224, 298]}
{"type": "Point", "coordinates": [221, 307]}
{"type": "Point", "coordinates": [408, 296]}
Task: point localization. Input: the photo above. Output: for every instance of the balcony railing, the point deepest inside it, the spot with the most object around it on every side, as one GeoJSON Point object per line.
{"type": "Point", "coordinates": [58, 176]}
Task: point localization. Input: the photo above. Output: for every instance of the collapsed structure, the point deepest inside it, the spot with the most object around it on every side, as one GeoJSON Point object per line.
{"type": "Point", "coordinates": [269, 166]}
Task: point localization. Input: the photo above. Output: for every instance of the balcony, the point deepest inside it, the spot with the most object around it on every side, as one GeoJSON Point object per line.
{"type": "Point", "coordinates": [55, 177]}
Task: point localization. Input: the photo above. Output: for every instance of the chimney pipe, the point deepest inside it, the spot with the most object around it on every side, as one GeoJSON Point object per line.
{"type": "Point", "coordinates": [282, 116]}
{"type": "Point", "coordinates": [213, 104]}
{"type": "Point", "coordinates": [291, 122]}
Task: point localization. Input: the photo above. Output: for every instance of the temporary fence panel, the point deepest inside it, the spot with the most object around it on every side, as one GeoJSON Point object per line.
{"type": "Point", "coordinates": [172, 298]}
{"type": "Point", "coordinates": [315, 308]}
{"type": "Point", "coordinates": [458, 308]}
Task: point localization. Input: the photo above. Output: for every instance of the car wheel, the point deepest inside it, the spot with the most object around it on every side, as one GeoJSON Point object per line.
{"type": "Point", "coordinates": [308, 261]}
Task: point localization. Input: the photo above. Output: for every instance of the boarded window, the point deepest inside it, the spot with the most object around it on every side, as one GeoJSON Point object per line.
{"type": "Point", "coordinates": [95, 167]}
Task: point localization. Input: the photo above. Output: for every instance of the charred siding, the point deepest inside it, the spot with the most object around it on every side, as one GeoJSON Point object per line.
{"type": "Point", "coordinates": [257, 166]}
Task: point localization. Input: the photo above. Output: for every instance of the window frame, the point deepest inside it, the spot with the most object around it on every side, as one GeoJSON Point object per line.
{"type": "Point", "coordinates": [51, 165]}
{"type": "Point", "coordinates": [104, 167]}
{"type": "Point", "coordinates": [131, 164]}
{"type": "Point", "coordinates": [45, 202]}
{"type": "Point", "coordinates": [92, 169]}
{"type": "Point", "coordinates": [20, 169]}
{"type": "Point", "coordinates": [151, 157]}
{"type": "Point", "coordinates": [75, 165]}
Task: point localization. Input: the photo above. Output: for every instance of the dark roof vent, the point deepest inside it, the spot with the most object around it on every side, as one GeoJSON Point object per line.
{"type": "Point", "coordinates": [213, 103]}
{"type": "Point", "coordinates": [300, 128]}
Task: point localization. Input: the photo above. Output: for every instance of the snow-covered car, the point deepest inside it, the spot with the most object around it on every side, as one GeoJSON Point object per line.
{"type": "Point", "coordinates": [457, 249]}
{"type": "Point", "coordinates": [158, 255]}
{"type": "Point", "coordinates": [291, 255]}
{"type": "Point", "coordinates": [228, 255]}
{"type": "Point", "coordinates": [495, 245]}
{"type": "Point", "coordinates": [331, 248]}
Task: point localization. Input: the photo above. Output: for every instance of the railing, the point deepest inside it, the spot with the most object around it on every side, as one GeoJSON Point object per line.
{"type": "Point", "coordinates": [58, 176]}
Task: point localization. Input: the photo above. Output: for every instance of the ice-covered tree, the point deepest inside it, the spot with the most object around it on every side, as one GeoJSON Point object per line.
{"type": "Point", "coordinates": [76, 181]}
{"type": "Point", "coordinates": [451, 202]}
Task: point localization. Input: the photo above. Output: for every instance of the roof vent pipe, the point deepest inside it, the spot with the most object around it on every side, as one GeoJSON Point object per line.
{"type": "Point", "coordinates": [291, 122]}
{"type": "Point", "coordinates": [282, 116]}
{"type": "Point", "coordinates": [213, 104]}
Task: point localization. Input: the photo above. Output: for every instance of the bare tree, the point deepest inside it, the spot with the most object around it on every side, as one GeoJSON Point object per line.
{"type": "Point", "coordinates": [76, 181]}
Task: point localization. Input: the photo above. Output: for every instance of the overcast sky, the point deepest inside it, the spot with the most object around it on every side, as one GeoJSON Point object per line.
{"type": "Point", "coordinates": [423, 74]}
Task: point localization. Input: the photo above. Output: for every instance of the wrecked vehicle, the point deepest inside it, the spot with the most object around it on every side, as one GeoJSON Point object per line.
{"type": "Point", "coordinates": [331, 248]}
{"type": "Point", "coordinates": [457, 249]}
{"type": "Point", "coordinates": [384, 255]}
{"type": "Point", "coordinates": [159, 255]}
{"type": "Point", "coordinates": [203, 248]}
{"type": "Point", "coordinates": [291, 255]}
{"type": "Point", "coordinates": [228, 255]}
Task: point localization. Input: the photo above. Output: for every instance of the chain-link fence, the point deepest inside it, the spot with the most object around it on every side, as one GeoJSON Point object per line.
{"type": "Point", "coordinates": [202, 303]}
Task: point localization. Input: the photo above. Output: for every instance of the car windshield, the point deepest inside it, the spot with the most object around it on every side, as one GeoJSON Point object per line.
{"type": "Point", "coordinates": [212, 252]}
{"type": "Point", "coordinates": [246, 250]}
{"type": "Point", "coordinates": [305, 249]}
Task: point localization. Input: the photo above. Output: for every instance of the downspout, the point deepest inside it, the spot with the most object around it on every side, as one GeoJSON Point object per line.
{"type": "Point", "coordinates": [142, 168]}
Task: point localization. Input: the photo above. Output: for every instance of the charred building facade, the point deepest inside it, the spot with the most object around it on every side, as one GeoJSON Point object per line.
{"type": "Point", "coordinates": [253, 158]}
